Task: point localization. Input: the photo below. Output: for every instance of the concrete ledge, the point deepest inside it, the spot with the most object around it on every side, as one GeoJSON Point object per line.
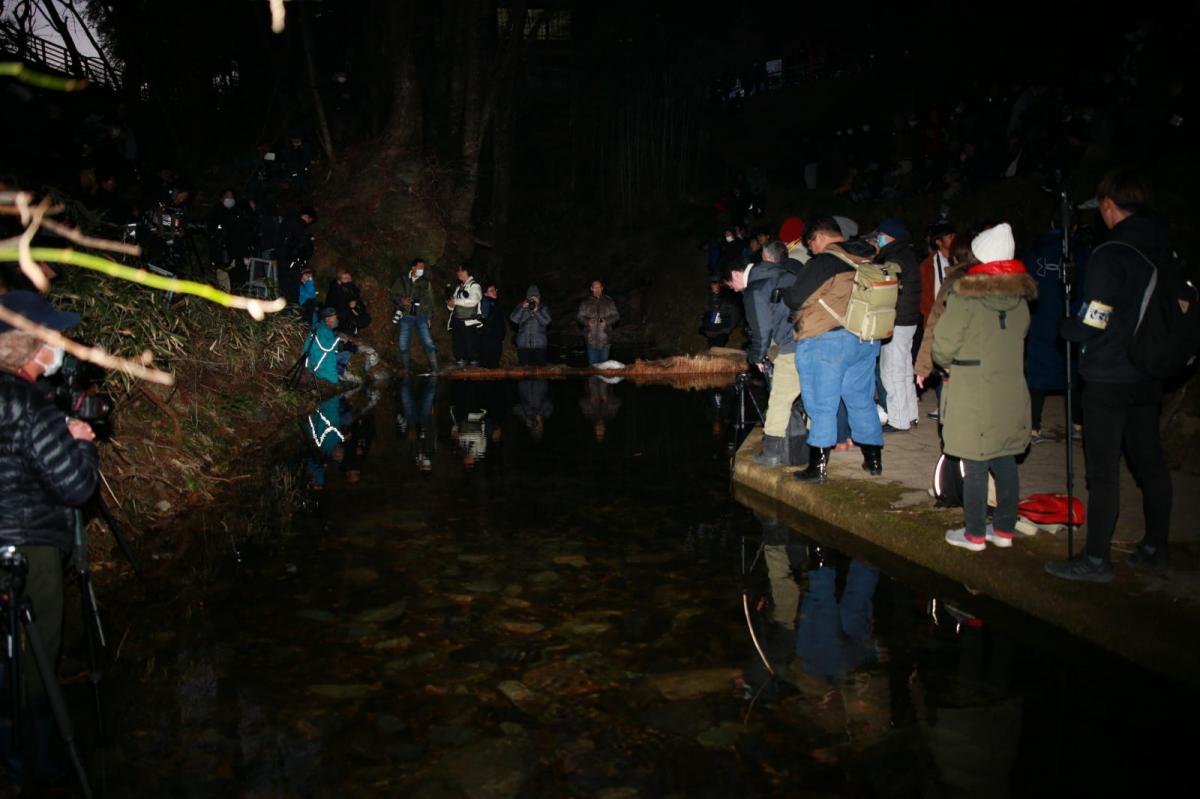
{"type": "Point", "coordinates": [1148, 620]}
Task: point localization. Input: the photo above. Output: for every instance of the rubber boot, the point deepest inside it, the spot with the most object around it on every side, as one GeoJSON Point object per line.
{"type": "Point", "coordinates": [797, 450]}
{"type": "Point", "coordinates": [818, 465]}
{"type": "Point", "coordinates": [872, 459]}
{"type": "Point", "coordinates": [772, 454]}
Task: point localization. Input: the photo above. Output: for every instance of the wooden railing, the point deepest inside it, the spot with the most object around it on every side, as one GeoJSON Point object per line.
{"type": "Point", "coordinates": [52, 56]}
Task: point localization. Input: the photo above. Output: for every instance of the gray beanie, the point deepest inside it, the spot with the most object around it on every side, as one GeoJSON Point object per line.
{"type": "Point", "coordinates": [532, 291]}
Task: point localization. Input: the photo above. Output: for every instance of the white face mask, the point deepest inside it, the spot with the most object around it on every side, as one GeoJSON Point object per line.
{"type": "Point", "coordinates": [418, 272]}
{"type": "Point", "coordinates": [56, 361]}
{"type": "Point", "coordinates": [228, 202]}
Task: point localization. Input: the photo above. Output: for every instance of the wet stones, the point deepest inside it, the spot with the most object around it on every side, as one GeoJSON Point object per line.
{"type": "Point", "coordinates": [694, 683]}
{"type": "Point", "coordinates": [520, 627]}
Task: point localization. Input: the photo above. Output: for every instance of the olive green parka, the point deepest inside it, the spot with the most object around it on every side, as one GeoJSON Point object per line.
{"type": "Point", "coordinates": [980, 339]}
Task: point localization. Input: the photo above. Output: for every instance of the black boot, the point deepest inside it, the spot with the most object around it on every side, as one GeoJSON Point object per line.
{"type": "Point", "coordinates": [872, 459]}
{"type": "Point", "coordinates": [797, 450]}
{"type": "Point", "coordinates": [818, 465]}
{"type": "Point", "coordinates": [772, 452]}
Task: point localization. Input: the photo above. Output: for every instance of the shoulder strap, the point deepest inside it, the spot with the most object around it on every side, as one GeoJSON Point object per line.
{"type": "Point", "coordinates": [1149, 286]}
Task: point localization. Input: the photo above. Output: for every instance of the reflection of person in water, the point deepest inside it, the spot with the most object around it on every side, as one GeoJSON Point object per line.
{"type": "Point", "coordinates": [325, 439]}
{"type": "Point", "coordinates": [718, 409]}
{"type": "Point", "coordinates": [833, 637]}
{"type": "Point", "coordinates": [534, 405]}
{"type": "Point", "coordinates": [599, 404]}
{"type": "Point", "coordinates": [415, 420]}
{"type": "Point", "coordinates": [468, 427]}
{"type": "Point", "coordinates": [359, 436]}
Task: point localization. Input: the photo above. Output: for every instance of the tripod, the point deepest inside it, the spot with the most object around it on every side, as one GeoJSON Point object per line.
{"type": "Point", "coordinates": [18, 617]}
{"type": "Point", "coordinates": [1067, 275]}
{"type": "Point", "coordinates": [292, 376]}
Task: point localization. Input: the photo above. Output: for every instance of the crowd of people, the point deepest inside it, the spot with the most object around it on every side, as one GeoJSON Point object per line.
{"type": "Point", "coordinates": [849, 328]}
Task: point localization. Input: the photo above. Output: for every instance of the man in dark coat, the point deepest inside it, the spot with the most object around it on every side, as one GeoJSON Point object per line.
{"type": "Point", "coordinates": [495, 327]}
{"type": "Point", "coordinates": [896, 355]}
{"type": "Point", "coordinates": [49, 468]}
{"type": "Point", "coordinates": [1120, 404]}
{"type": "Point", "coordinates": [722, 315]}
{"type": "Point", "coordinates": [345, 297]}
{"type": "Point", "coordinates": [293, 249]}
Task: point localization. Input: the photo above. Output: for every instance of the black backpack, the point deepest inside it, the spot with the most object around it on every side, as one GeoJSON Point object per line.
{"type": "Point", "coordinates": [1167, 335]}
{"type": "Point", "coordinates": [948, 481]}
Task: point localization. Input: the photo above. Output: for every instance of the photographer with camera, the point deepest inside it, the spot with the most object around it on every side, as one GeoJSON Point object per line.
{"type": "Point", "coordinates": [294, 247]}
{"type": "Point", "coordinates": [48, 468]}
{"type": "Point", "coordinates": [531, 317]}
{"type": "Point", "coordinates": [466, 320]}
{"type": "Point", "coordinates": [412, 294]}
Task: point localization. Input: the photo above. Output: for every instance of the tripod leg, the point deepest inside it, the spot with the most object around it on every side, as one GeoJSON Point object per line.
{"type": "Point", "coordinates": [118, 534]}
{"type": "Point", "coordinates": [12, 654]}
{"type": "Point", "coordinates": [58, 705]}
{"type": "Point", "coordinates": [95, 640]}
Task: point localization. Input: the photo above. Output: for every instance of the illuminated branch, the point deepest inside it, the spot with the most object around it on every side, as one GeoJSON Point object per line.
{"type": "Point", "coordinates": [24, 74]}
{"type": "Point", "coordinates": [277, 16]}
{"type": "Point", "coordinates": [255, 307]}
{"type": "Point", "coordinates": [32, 219]}
{"type": "Point", "coordinates": [96, 355]}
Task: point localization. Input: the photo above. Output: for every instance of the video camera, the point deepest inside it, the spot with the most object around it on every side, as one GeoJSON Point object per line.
{"type": "Point", "coordinates": [75, 392]}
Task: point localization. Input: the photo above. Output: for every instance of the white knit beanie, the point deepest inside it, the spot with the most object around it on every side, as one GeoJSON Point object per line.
{"type": "Point", "coordinates": [994, 244]}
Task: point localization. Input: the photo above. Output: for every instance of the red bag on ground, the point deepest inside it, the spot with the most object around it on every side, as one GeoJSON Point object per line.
{"type": "Point", "coordinates": [1045, 509]}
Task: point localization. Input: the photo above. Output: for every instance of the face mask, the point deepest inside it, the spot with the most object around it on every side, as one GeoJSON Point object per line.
{"type": "Point", "coordinates": [418, 272]}
{"type": "Point", "coordinates": [56, 361]}
{"type": "Point", "coordinates": [228, 202]}
{"type": "Point", "coordinates": [881, 241]}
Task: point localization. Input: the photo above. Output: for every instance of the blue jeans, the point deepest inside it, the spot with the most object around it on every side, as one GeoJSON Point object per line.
{"type": "Point", "coordinates": [421, 323]}
{"type": "Point", "coordinates": [597, 355]}
{"type": "Point", "coordinates": [836, 367]}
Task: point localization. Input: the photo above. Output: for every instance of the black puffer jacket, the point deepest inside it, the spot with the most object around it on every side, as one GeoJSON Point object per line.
{"type": "Point", "coordinates": [44, 472]}
{"type": "Point", "coordinates": [908, 306]}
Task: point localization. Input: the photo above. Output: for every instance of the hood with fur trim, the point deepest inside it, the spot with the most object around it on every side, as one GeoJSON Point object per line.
{"type": "Point", "coordinates": [1001, 284]}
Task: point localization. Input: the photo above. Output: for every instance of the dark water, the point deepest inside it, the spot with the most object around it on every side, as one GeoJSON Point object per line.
{"type": "Point", "coordinates": [547, 601]}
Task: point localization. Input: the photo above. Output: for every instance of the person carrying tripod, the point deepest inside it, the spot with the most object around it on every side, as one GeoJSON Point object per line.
{"type": "Point", "coordinates": [48, 468]}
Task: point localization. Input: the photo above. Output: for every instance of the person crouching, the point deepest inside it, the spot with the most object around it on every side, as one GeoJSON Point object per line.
{"type": "Point", "coordinates": [985, 413]}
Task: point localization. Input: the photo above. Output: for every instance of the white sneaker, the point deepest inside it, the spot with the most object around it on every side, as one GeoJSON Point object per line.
{"type": "Point", "coordinates": [883, 417]}
{"type": "Point", "coordinates": [958, 538]}
{"type": "Point", "coordinates": [1002, 540]}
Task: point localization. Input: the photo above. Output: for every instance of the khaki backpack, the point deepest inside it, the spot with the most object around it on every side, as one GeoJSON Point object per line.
{"type": "Point", "coordinates": [871, 312]}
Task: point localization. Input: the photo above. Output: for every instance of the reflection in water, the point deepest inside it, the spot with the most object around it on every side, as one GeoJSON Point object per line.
{"type": "Point", "coordinates": [599, 405]}
{"type": "Point", "coordinates": [534, 405]}
{"type": "Point", "coordinates": [569, 626]}
{"type": "Point", "coordinates": [416, 423]}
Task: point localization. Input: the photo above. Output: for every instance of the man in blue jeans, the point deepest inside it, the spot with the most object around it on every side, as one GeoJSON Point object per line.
{"type": "Point", "coordinates": [834, 366]}
{"type": "Point", "coordinates": [412, 294]}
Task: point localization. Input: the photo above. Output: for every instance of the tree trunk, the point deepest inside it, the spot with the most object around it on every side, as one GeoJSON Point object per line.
{"type": "Point", "coordinates": [318, 105]}
{"type": "Point", "coordinates": [60, 25]}
{"type": "Point", "coordinates": [403, 136]}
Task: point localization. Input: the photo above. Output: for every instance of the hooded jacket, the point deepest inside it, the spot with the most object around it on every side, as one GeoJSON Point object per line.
{"type": "Point", "coordinates": [769, 321]}
{"type": "Point", "coordinates": [980, 338]}
{"type": "Point", "coordinates": [1111, 300]}
{"type": "Point", "coordinates": [531, 325]}
{"type": "Point", "coordinates": [46, 473]}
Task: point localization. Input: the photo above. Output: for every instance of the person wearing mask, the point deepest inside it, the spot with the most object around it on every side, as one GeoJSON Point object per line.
{"type": "Point", "coordinates": [722, 314]}
{"type": "Point", "coordinates": [412, 294]}
{"type": "Point", "coordinates": [308, 297]}
{"type": "Point", "coordinates": [598, 315]}
{"type": "Point", "coordinates": [293, 249]}
{"type": "Point", "coordinates": [896, 355]}
{"type": "Point", "coordinates": [49, 469]}
{"type": "Point", "coordinates": [230, 233]}
{"type": "Point", "coordinates": [324, 357]}
{"type": "Point", "coordinates": [833, 364]}
{"type": "Point", "coordinates": [1121, 404]}
{"type": "Point", "coordinates": [345, 297]}
{"type": "Point", "coordinates": [493, 330]}
{"type": "Point", "coordinates": [980, 339]}
{"type": "Point", "coordinates": [466, 318]}
{"type": "Point", "coordinates": [532, 318]}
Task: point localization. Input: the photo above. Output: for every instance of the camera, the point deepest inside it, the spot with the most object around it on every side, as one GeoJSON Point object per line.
{"type": "Point", "coordinates": [531, 304]}
{"type": "Point", "coordinates": [74, 391]}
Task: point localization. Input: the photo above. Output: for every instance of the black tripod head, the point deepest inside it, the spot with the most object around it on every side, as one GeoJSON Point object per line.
{"type": "Point", "coordinates": [14, 568]}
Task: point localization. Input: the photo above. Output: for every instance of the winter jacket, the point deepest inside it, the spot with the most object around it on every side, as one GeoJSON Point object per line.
{"type": "Point", "coordinates": [531, 326]}
{"type": "Point", "coordinates": [1046, 355]}
{"type": "Point", "coordinates": [825, 277]}
{"type": "Point", "coordinates": [924, 363]}
{"type": "Point", "coordinates": [769, 322]}
{"type": "Point", "coordinates": [321, 349]}
{"type": "Point", "coordinates": [45, 472]}
{"type": "Point", "coordinates": [308, 291]}
{"type": "Point", "coordinates": [598, 315]}
{"type": "Point", "coordinates": [350, 320]}
{"type": "Point", "coordinates": [1111, 299]}
{"type": "Point", "coordinates": [420, 290]}
{"type": "Point", "coordinates": [908, 305]}
{"type": "Point", "coordinates": [722, 313]}
{"type": "Point", "coordinates": [467, 298]}
{"type": "Point", "coordinates": [981, 339]}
